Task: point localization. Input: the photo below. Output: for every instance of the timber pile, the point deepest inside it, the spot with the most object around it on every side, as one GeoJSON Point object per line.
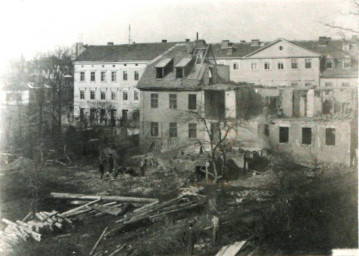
{"type": "Point", "coordinates": [21, 230]}
{"type": "Point", "coordinates": [188, 199]}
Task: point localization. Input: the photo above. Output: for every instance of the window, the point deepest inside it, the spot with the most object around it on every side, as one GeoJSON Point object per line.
{"type": "Point", "coordinates": [283, 134]}
{"type": "Point", "coordinates": [113, 66]}
{"type": "Point", "coordinates": [192, 130]}
{"type": "Point", "coordinates": [266, 130]}
{"type": "Point", "coordinates": [82, 76]}
{"type": "Point", "coordinates": [308, 84]}
{"type": "Point", "coordinates": [113, 76]}
{"type": "Point", "coordinates": [136, 75]}
{"type": "Point", "coordinates": [307, 136]}
{"type": "Point", "coordinates": [347, 63]}
{"type": "Point", "coordinates": [192, 101]}
{"type": "Point", "coordinates": [82, 95]}
{"type": "Point", "coordinates": [330, 136]}
{"type": "Point", "coordinates": [103, 95]}
{"type": "Point", "coordinates": [136, 94]}
{"type": "Point", "coordinates": [235, 66]}
{"type": "Point", "coordinates": [159, 72]}
{"type": "Point", "coordinates": [154, 100]}
{"type": "Point", "coordinates": [254, 65]}
{"type": "Point", "coordinates": [328, 84]}
{"type": "Point", "coordinates": [281, 47]}
{"type": "Point", "coordinates": [267, 65]}
{"type": "Point", "coordinates": [93, 77]}
{"type": "Point", "coordinates": [179, 72]}
{"type": "Point", "coordinates": [92, 95]}
{"type": "Point", "coordinates": [124, 75]}
{"type": "Point", "coordinates": [173, 101]}
{"type": "Point", "coordinates": [103, 76]}
{"type": "Point", "coordinates": [280, 65]}
{"type": "Point", "coordinates": [308, 63]}
{"type": "Point", "coordinates": [173, 130]}
{"type": "Point", "coordinates": [294, 84]}
{"type": "Point", "coordinates": [125, 95]}
{"type": "Point", "coordinates": [113, 95]}
{"type": "Point", "coordinates": [82, 111]}
{"type": "Point", "coordinates": [294, 64]}
{"type": "Point", "coordinates": [329, 64]}
{"type": "Point", "coordinates": [154, 129]}
{"type": "Point", "coordinates": [345, 84]}
{"type": "Point", "coordinates": [317, 93]}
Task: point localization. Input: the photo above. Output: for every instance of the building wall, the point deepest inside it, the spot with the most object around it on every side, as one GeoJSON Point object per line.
{"type": "Point", "coordinates": [274, 76]}
{"type": "Point", "coordinates": [339, 153]}
{"type": "Point", "coordinates": [338, 82]}
{"type": "Point", "coordinates": [118, 87]}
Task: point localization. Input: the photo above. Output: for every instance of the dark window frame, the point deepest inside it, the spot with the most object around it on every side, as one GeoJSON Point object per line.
{"type": "Point", "coordinates": [192, 130]}
{"type": "Point", "coordinates": [154, 129]}
{"type": "Point", "coordinates": [172, 101]}
{"type": "Point", "coordinates": [192, 101]}
{"type": "Point", "coordinates": [154, 100]}
{"type": "Point", "coordinates": [307, 135]}
{"type": "Point", "coordinates": [93, 76]}
{"type": "Point", "coordinates": [173, 133]}
{"type": "Point", "coordinates": [82, 76]}
{"type": "Point", "coordinates": [283, 134]}
{"type": "Point", "coordinates": [330, 136]}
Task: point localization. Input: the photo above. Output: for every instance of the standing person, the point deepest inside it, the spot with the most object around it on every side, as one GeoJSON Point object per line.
{"type": "Point", "coordinates": [215, 229]}
{"type": "Point", "coordinates": [143, 166]}
{"type": "Point", "coordinates": [111, 165]}
{"type": "Point", "coordinates": [101, 168]}
{"type": "Point", "coordinates": [191, 239]}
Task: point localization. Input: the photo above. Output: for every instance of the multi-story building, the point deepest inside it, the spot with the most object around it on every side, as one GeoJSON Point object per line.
{"type": "Point", "coordinates": [298, 115]}
{"type": "Point", "coordinates": [105, 81]}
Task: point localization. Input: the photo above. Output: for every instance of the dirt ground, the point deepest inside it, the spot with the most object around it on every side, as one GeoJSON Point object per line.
{"type": "Point", "coordinates": [243, 204]}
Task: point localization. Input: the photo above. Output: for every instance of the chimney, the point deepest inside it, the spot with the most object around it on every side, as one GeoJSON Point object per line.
{"type": "Point", "coordinates": [224, 44]}
{"type": "Point", "coordinates": [255, 42]}
{"type": "Point", "coordinates": [197, 36]}
{"type": "Point", "coordinates": [164, 41]}
{"type": "Point", "coordinates": [243, 41]}
{"type": "Point", "coordinates": [109, 43]}
{"type": "Point", "coordinates": [187, 40]}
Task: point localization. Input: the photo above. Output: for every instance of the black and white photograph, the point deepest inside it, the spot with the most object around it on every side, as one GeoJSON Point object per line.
{"type": "Point", "coordinates": [185, 128]}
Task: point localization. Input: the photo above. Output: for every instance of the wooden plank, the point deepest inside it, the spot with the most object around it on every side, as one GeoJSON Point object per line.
{"type": "Point", "coordinates": [234, 249]}
{"type": "Point", "coordinates": [105, 198]}
{"type": "Point", "coordinates": [98, 241]}
{"type": "Point", "coordinates": [69, 212]}
{"type": "Point", "coordinates": [222, 250]}
{"type": "Point", "coordinates": [117, 250]}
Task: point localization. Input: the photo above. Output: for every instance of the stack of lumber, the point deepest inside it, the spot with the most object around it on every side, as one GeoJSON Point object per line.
{"type": "Point", "coordinates": [155, 211]}
{"type": "Point", "coordinates": [21, 230]}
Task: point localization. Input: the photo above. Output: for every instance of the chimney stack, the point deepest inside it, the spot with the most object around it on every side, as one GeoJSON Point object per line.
{"type": "Point", "coordinates": [164, 41]}
{"type": "Point", "coordinates": [109, 43]}
{"type": "Point", "coordinates": [197, 36]}
{"type": "Point", "coordinates": [187, 40]}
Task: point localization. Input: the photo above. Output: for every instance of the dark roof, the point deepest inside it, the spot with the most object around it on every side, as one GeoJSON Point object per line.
{"type": "Point", "coordinates": [238, 49]}
{"type": "Point", "coordinates": [191, 81]}
{"type": "Point", "coordinates": [124, 52]}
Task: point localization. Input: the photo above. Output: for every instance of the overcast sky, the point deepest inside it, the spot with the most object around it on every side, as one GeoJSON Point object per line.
{"type": "Point", "coordinates": [30, 26]}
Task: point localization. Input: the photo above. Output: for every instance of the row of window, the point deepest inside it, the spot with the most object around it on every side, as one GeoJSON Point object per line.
{"type": "Point", "coordinates": [192, 101]}
{"type": "Point", "coordinates": [136, 76]}
{"type": "Point", "coordinates": [330, 84]}
{"type": "Point", "coordinates": [192, 130]}
{"type": "Point", "coordinates": [113, 95]}
{"type": "Point", "coordinates": [280, 64]}
{"type": "Point", "coordinates": [306, 135]}
{"type": "Point", "coordinates": [329, 63]}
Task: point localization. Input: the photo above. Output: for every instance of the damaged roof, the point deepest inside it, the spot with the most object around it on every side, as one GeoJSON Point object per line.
{"type": "Point", "coordinates": [124, 52]}
{"type": "Point", "coordinates": [180, 55]}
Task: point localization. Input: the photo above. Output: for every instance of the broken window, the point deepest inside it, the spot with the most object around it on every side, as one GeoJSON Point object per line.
{"type": "Point", "coordinates": [330, 136]}
{"type": "Point", "coordinates": [103, 95]}
{"type": "Point", "coordinates": [92, 94]}
{"type": "Point", "coordinates": [307, 136]}
{"type": "Point", "coordinates": [173, 130]}
{"type": "Point", "coordinates": [82, 94]}
{"type": "Point", "coordinates": [135, 94]}
{"type": "Point", "coordinates": [267, 65]}
{"type": "Point", "coordinates": [280, 65]}
{"type": "Point", "coordinates": [136, 75]}
{"type": "Point", "coordinates": [308, 63]}
{"type": "Point", "coordinates": [103, 76]}
{"type": "Point", "coordinates": [93, 76]}
{"type": "Point", "coordinates": [192, 101]}
{"type": "Point", "coordinates": [235, 66]}
{"type": "Point", "coordinates": [82, 76]}
{"type": "Point", "coordinates": [113, 95]}
{"type": "Point", "coordinates": [283, 134]}
{"type": "Point", "coordinates": [347, 63]}
{"type": "Point", "coordinates": [154, 100]}
{"type": "Point", "coordinates": [294, 64]}
{"type": "Point", "coordinates": [113, 76]}
{"type": "Point", "coordinates": [124, 75]}
{"type": "Point", "coordinates": [173, 101]}
{"type": "Point", "coordinates": [125, 95]}
{"type": "Point", "coordinates": [154, 129]}
{"type": "Point", "coordinates": [329, 63]}
{"type": "Point", "coordinates": [192, 130]}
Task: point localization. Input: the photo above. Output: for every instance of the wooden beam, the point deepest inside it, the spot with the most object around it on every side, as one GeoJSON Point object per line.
{"type": "Point", "coordinates": [125, 199]}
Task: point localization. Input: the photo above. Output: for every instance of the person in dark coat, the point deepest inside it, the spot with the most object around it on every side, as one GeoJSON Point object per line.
{"type": "Point", "coordinates": [111, 165]}
{"type": "Point", "coordinates": [101, 169]}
